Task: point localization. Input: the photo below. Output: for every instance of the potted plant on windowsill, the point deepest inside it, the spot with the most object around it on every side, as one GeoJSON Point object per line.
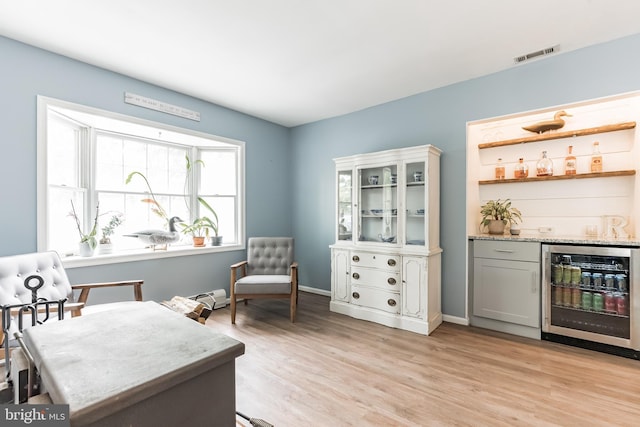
{"type": "Point", "coordinates": [106, 247]}
{"type": "Point", "coordinates": [88, 242]}
{"type": "Point", "coordinates": [212, 223]}
{"type": "Point", "coordinates": [496, 214]}
{"type": "Point", "coordinates": [198, 230]}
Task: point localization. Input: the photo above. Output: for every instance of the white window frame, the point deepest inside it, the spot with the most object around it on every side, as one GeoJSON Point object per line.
{"type": "Point", "coordinates": [44, 103]}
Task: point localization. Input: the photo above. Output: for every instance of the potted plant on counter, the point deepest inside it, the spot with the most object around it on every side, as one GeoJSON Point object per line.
{"type": "Point", "coordinates": [496, 214]}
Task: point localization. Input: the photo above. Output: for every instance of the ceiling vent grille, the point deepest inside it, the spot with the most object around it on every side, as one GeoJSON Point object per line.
{"type": "Point", "coordinates": [536, 54]}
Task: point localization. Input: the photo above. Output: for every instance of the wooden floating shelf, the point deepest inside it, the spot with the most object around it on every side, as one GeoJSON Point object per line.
{"type": "Point", "coordinates": [559, 135]}
{"type": "Point", "coordinates": [560, 177]}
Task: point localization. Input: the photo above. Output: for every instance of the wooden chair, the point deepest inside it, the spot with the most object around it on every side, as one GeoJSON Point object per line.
{"type": "Point", "coordinates": [268, 272]}
{"type": "Point", "coordinates": [47, 274]}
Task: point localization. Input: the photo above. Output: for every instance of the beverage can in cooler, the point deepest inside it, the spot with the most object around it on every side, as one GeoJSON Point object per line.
{"type": "Point", "coordinates": [621, 304]}
{"type": "Point", "coordinates": [621, 283]}
{"type": "Point", "coordinates": [587, 300]}
{"type": "Point", "coordinates": [557, 295]}
{"type": "Point", "coordinates": [566, 297]}
{"type": "Point", "coordinates": [596, 280]}
{"type": "Point", "coordinates": [586, 280]}
{"type": "Point", "coordinates": [610, 281]}
{"type": "Point", "coordinates": [566, 274]}
{"type": "Point", "coordinates": [575, 275]}
{"type": "Point", "coordinates": [610, 304]}
{"type": "Point", "coordinates": [598, 302]}
{"type": "Point", "coordinates": [576, 298]}
{"type": "Point", "coordinates": [557, 273]}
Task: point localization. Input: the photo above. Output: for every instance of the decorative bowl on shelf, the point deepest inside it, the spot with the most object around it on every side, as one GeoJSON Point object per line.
{"type": "Point", "coordinates": [386, 239]}
{"type": "Point", "coordinates": [373, 180]}
{"type": "Point", "coordinates": [420, 212]}
{"type": "Point", "coordinates": [376, 211]}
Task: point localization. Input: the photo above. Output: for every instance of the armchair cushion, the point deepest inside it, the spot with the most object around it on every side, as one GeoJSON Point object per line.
{"type": "Point", "coordinates": [264, 284]}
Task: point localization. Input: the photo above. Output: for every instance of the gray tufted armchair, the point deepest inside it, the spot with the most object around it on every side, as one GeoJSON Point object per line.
{"type": "Point", "coordinates": [268, 272]}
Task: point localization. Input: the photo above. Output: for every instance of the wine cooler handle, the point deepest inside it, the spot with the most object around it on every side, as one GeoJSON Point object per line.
{"type": "Point", "coordinates": [534, 282]}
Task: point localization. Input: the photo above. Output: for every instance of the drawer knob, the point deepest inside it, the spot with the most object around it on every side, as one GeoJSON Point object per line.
{"type": "Point", "coordinates": [391, 262]}
{"type": "Point", "coordinates": [355, 258]}
{"type": "Point", "coordinates": [391, 302]}
{"type": "Point", "coordinates": [355, 295]}
{"type": "Point", "coordinates": [355, 275]}
{"type": "Point", "coordinates": [391, 281]}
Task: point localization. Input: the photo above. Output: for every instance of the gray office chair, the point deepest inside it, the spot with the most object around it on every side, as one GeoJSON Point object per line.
{"type": "Point", "coordinates": [268, 272]}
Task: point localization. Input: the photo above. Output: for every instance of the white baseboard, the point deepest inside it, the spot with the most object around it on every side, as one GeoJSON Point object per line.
{"type": "Point", "coordinates": [316, 291]}
{"type": "Point", "coordinates": [455, 319]}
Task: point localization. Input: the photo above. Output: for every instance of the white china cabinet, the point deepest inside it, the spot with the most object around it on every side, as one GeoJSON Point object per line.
{"type": "Point", "coordinates": [386, 258]}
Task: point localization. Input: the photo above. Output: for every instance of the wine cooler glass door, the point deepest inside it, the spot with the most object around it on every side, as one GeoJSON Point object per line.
{"type": "Point", "coordinates": [589, 293]}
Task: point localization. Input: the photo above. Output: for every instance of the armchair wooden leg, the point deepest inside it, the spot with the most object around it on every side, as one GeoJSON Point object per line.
{"type": "Point", "coordinates": [293, 308]}
{"type": "Point", "coordinates": [233, 309]}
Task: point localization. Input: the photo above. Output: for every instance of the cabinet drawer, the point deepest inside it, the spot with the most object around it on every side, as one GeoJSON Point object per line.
{"type": "Point", "coordinates": [381, 279]}
{"type": "Point", "coordinates": [498, 249]}
{"type": "Point", "coordinates": [374, 260]}
{"type": "Point", "coordinates": [375, 298]}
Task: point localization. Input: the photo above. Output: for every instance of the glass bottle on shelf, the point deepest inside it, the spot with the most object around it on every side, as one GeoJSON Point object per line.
{"type": "Point", "coordinates": [544, 167]}
{"type": "Point", "coordinates": [570, 163]}
{"type": "Point", "coordinates": [521, 170]}
{"type": "Point", "coordinates": [499, 170]}
{"type": "Point", "coordinates": [596, 158]}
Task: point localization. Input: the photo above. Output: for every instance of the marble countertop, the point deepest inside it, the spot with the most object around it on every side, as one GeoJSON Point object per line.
{"type": "Point", "coordinates": [558, 239]}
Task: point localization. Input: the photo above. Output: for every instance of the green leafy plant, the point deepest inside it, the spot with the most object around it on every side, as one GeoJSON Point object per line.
{"type": "Point", "coordinates": [109, 229]}
{"type": "Point", "coordinates": [89, 238]}
{"type": "Point", "coordinates": [501, 211]}
{"type": "Point", "coordinates": [156, 207]}
{"type": "Point", "coordinates": [212, 221]}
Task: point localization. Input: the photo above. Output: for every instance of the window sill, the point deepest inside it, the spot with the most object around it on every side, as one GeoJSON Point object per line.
{"type": "Point", "coordinates": [144, 255]}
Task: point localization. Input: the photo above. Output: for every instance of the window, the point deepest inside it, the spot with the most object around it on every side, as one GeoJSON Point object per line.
{"type": "Point", "coordinates": [85, 157]}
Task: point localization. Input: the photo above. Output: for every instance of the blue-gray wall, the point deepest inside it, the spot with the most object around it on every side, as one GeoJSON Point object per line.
{"type": "Point", "coordinates": [439, 117]}
{"type": "Point", "coordinates": [27, 72]}
{"type": "Point", "coordinates": [290, 173]}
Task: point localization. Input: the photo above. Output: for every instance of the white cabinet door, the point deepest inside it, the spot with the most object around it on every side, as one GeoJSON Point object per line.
{"type": "Point", "coordinates": [414, 286]}
{"type": "Point", "coordinates": [507, 290]}
{"type": "Point", "coordinates": [340, 274]}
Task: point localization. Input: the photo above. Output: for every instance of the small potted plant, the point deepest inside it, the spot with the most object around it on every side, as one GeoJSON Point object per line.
{"type": "Point", "coordinates": [198, 230]}
{"type": "Point", "coordinates": [106, 247]}
{"type": "Point", "coordinates": [88, 241]}
{"type": "Point", "coordinates": [496, 214]}
{"type": "Point", "coordinates": [212, 223]}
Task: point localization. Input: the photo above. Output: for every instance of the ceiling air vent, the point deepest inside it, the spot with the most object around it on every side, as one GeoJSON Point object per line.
{"type": "Point", "coordinates": [536, 54]}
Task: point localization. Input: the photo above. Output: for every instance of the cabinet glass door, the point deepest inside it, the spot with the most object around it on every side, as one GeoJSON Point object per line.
{"type": "Point", "coordinates": [345, 215]}
{"type": "Point", "coordinates": [378, 213]}
{"type": "Point", "coordinates": [415, 203]}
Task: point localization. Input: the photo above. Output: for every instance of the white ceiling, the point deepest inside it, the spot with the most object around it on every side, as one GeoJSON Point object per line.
{"type": "Point", "coordinates": [298, 61]}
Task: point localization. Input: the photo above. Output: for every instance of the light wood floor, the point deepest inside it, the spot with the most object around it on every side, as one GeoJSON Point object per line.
{"type": "Point", "coordinates": [331, 370]}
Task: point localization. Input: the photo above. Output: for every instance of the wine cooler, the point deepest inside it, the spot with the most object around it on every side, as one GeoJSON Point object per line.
{"type": "Point", "coordinates": [590, 297]}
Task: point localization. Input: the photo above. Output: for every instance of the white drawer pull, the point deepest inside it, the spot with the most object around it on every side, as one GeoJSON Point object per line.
{"type": "Point", "coordinates": [356, 276]}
